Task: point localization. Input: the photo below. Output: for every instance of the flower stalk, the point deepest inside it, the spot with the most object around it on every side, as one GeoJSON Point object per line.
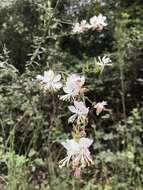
{"type": "Point", "coordinates": [78, 154]}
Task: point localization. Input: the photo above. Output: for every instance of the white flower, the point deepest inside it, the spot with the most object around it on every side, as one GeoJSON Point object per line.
{"type": "Point", "coordinates": [98, 22]}
{"type": "Point", "coordinates": [73, 87]}
{"type": "Point", "coordinates": [77, 28]}
{"type": "Point", "coordinates": [80, 112]}
{"type": "Point", "coordinates": [100, 106]}
{"type": "Point", "coordinates": [50, 81]}
{"type": "Point", "coordinates": [84, 25]}
{"type": "Point", "coordinates": [80, 27]}
{"type": "Point", "coordinates": [77, 152]}
{"type": "Point", "coordinates": [104, 61]}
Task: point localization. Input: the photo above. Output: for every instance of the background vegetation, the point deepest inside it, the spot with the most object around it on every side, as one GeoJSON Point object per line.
{"type": "Point", "coordinates": [36, 36]}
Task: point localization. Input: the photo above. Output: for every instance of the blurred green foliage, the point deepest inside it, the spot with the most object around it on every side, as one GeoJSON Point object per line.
{"type": "Point", "coordinates": [35, 36]}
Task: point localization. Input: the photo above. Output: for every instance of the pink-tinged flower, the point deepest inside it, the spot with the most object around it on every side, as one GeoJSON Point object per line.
{"type": "Point", "coordinates": [50, 81]}
{"type": "Point", "coordinates": [98, 22]}
{"type": "Point", "coordinates": [77, 172]}
{"type": "Point", "coordinates": [93, 22]}
{"type": "Point", "coordinates": [104, 61]}
{"type": "Point", "coordinates": [100, 106]}
{"type": "Point", "coordinates": [79, 110]}
{"type": "Point", "coordinates": [73, 87]}
{"type": "Point", "coordinates": [80, 27]}
{"type": "Point", "coordinates": [77, 153]}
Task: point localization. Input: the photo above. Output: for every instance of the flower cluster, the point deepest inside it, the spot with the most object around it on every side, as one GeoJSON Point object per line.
{"type": "Point", "coordinates": [78, 154]}
{"type": "Point", "coordinates": [96, 23]}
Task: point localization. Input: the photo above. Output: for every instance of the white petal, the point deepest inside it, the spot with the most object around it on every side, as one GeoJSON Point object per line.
{"type": "Point", "coordinates": [39, 77]}
{"type": "Point", "coordinates": [71, 146]}
{"type": "Point", "coordinates": [67, 89]}
{"type": "Point", "coordinates": [77, 104]}
{"type": "Point", "coordinates": [100, 61]}
{"type": "Point", "coordinates": [57, 85]}
{"type": "Point", "coordinates": [80, 106]}
{"type": "Point", "coordinates": [85, 142]}
{"type": "Point", "coordinates": [65, 97]}
{"type": "Point", "coordinates": [72, 109]}
{"type": "Point", "coordinates": [72, 118]}
{"type": "Point", "coordinates": [66, 144]}
{"type": "Point", "coordinates": [57, 78]}
{"type": "Point", "coordinates": [93, 20]}
{"type": "Point", "coordinates": [48, 75]}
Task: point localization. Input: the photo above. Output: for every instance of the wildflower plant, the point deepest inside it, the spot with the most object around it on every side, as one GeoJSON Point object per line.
{"type": "Point", "coordinates": [78, 154]}
{"type": "Point", "coordinates": [33, 124]}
